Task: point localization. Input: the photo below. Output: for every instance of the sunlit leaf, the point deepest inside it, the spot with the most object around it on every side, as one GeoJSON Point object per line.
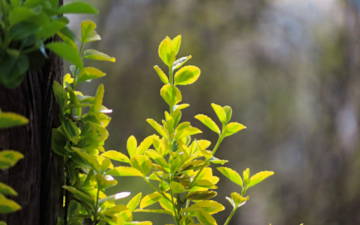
{"type": "Point", "coordinates": [231, 175]}
{"type": "Point", "coordinates": [207, 121]}
{"type": "Point", "coordinates": [117, 156]}
{"type": "Point", "coordinates": [150, 199]}
{"type": "Point", "coordinates": [232, 128]}
{"type": "Point", "coordinates": [259, 177]}
{"type": "Point", "coordinates": [123, 171]}
{"type": "Point", "coordinates": [163, 77]}
{"type": "Point", "coordinates": [187, 75]}
{"type": "Point", "coordinates": [97, 55]}
{"type": "Point", "coordinates": [134, 202]}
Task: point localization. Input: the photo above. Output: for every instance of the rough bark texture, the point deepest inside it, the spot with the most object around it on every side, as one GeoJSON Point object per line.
{"type": "Point", "coordinates": [38, 177]}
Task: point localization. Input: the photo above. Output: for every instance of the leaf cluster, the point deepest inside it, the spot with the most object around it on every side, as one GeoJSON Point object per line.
{"type": "Point", "coordinates": [25, 28]}
{"type": "Point", "coordinates": [175, 164]}
{"type": "Point", "coordinates": [81, 136]}
{"type": "Point", "coordinates": [8, 158]}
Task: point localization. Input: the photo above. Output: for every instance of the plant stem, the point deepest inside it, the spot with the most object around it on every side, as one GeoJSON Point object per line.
{"type": "Point", "coordinates": [228, 219]}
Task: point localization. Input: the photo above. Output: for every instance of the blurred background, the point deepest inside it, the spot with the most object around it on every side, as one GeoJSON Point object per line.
{"type": "Point", "coordinates": [289, 69]}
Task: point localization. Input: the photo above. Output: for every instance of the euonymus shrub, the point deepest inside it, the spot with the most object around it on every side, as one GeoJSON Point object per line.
{"type": "Point", "coordinates": [176, 165]}
{"type": "Point", "coordinates": [25, 28]}
{"type": "Point", "coordinates": [8, 158]}
{"type": "Point", "coordinates": [172, 162]}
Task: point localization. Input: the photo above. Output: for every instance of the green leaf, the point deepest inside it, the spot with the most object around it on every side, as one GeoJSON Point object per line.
{"type": "Point", "coordinates": [238, 199]}
{"type": "Point", "coordinates": [163, 77]}
{"type": "Point", "coordinates": [177, 187]}
{"type": "Point", "coordinates": [207, 121]}
{"type": "Point", "coordinates": [9, 158]}
{"type": "Point", "coordinates": [78, 7]}
{"type": "Point", "coordinates": [51, 28]}
{"type": "Point", "coordinates": [97, 55]}
{"type": "Point", "coordinates": [157, 127]}
{"type": "Point", "coordinates": [9, 119]}
{"type": "Point", "coordinates": [170, 94]}
{"type": "Point", "coordinates": [187, 75]}
{"type": "Point", "coordinates": [150, 199]}
{"type": "Point", "coordinates": [88, 33]}
{"type": "Point", "coordinates": [168, 49]}
{"type": "Point", "coordinates": [209, 206]}
{"type": "Point", "coordinates": [19, 14]}
{"type": "Point", "coordinates": [88, 159]}
{"type": "Point", "coordinates": [7, 190]}
{"type": "Point", "coordinates": [232, 128]}
{"type": "Point", "coordinates": [246, 176]}
{"type": "Point", "coordinates": [66, 51]}
{"type": "Point", "coordinates": [124, 171]}
{"type": "Point", "coordinates": [142, 163]}
{"type": "Point", "coordinates": [131, 146]}
{"type": "Point", "coordinates": [90, 73]}
{"type": "Point", "coordinates": [259, 177]}
{"type": "Point", "coordinates": [231, 175]}
{"type": "Point", "coordinates": [8, 205]}
{"type": "Point", "coordinates": [117, 156]}
{"type": "Point", "coordinates": [134, 202]}
{"type": "Point", "coordinates": [205, 218]}
{"type": "Point", "coordinates": [80, 195]}
{"type": "Point", "coordinates": [220, 112]}
{"type": "Point", "coordinates": [201, 195]}
{"type": "Point", "coordinates": [228, 111]}
{"type": "Point", "coordinates": [3, 223]}
{"type": "Point", "coordinates": [145, 144]}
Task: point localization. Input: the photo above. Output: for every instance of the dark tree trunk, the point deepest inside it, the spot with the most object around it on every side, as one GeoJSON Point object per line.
{"type": "Point", "coordinates": [38, 177]}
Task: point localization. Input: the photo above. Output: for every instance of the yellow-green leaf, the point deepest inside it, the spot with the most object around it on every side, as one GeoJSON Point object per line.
{"type": "Point", "coordinates": [238, 199]}
{"type": "Point", "coordinates": [259, 177]}
{"type": "Point", "coordinates": [117, 156]}
{"type": "Point", "coordinates": [201, 195]}
{"type": "Point", "coordinates": [163, 77]}
{"type": "Point", "coordinates": [231, 175]}
{"type": "Point", "coordinates": [8, 205]}
{"type": "Point", "coordinates": [150, 199]}
{"type": "Point", "coordinates": [209, 206]}
{"type": "Point", "coordinates": [232, 128]}
{"type": "Point", "coordinates": [220, 112]}
{"type": "Point", "coordinates": [7, 190]}
{"type": "Point", "coordinates": [207, 121]}
{"type": "Point", "coordinates": [157, 127]}
{"type": "Point", "coordinates": [97, 55]}
{"type": "Point", "coordinates": [9, 119]}
{"type": "Point", "coordinates": [187, 75]}
{"type": "Point", "coordinates": [131, 145]}
{"type": "Point", "coordinates": [124, 171]}
{"type": "Point", "coordinates": [9, 158]}
{"type": "Point", "coordinates": [134, 202]}
{"type": "Point", "coordinates": [90, 73]}
{"type": "Point", "coordinates": [88, 33]}
{"type": "Point", "coordinates": [205, 218]}
{"type": "Point", "coordinates": [170, 94]}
